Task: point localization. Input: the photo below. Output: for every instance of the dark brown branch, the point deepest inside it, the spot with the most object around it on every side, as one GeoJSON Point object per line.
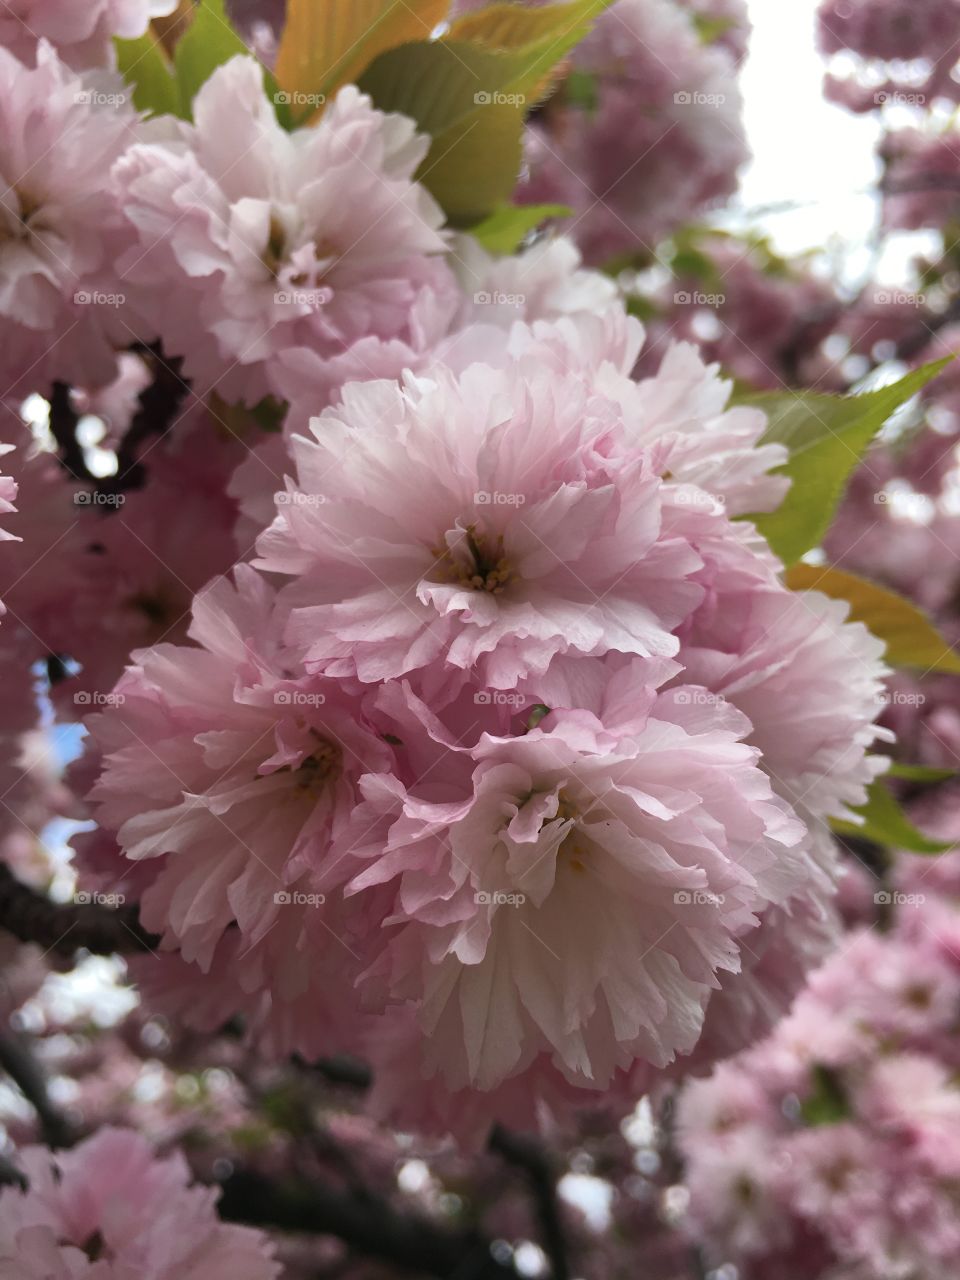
{"type": "Point", "coordinates": [528, 1155]}
{"type": "Point", "coordinates": [23, 1069]}
{"type": "Point", "coordinates": [368, 1225]}
{"type": "Point", "coordinates": [65, 928]}
{"type": "Point", "coordinates": [159, 404]}
{"type": "Point", "coordinates": [63, 428]}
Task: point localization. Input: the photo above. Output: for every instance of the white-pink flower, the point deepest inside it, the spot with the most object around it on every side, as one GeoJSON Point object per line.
{"type": "Point", "coordinates": [81, 33]}
{"type": "Point", "coordinates": [231, 773]}
{"type": "Point", "coordinates": [255, 241]}
{"type": "Point", "coordinates": [482, 522]}
{"type": "Point", "coordinates": [573, 890]}
{"type": "Point", "coordinates": [111, 1210]}
{"type": "Point", "coordinates": [61, 303]}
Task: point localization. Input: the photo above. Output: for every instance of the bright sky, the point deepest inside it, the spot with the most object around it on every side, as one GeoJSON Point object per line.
{"type": "Point", "coordinates": [808, 152]}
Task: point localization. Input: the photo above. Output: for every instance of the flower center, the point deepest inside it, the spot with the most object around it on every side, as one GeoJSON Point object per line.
{"type": "Point", "coordinates": [572, 847]}
{"type": "Point", "coordinates": [475, 561]}
{"type": "Point", "coordinates": [321, 767]}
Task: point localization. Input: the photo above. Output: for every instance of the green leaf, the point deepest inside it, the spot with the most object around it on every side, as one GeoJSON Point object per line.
{"type": "Point", "coordinates": [827, 1101]}
{"type": "Point", "coordinates": [504, 230]}
{"type": "Point", "coordinates": [327, 43]}
{"type": "Point", "coordinates": [552, 29]}
{"type": "Point", "coordinates": [885, 823]}
{"type": "Point", "coordinates": [827, 436]}
{"type": "Point", "coordinates": [473, 167]}
{"type": "Point", "coordinates": [144, 65]}
{"type": "Point", "coordinates": [920, 773]}
{"type": "Point", "coordinates": [911, 638]}
{"type": "Point", "coordinates": [581, 90]}
{"type": "Point", "coordinates": [206, 44]}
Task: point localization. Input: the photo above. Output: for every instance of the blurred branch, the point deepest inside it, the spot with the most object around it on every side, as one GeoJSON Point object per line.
{"type": "Point", "coordinates": [67, 927]}
{"type": "Point", "coordinates": [159, 404]}
{"type": "Point", "coordinates": [24, 1070]}
{"type": "Point", "coordinates": [63, 428]}
{"type": "Point", "coordinates": [366, 1224]}
{"type": "Point", "coordinates": [529, 1156]}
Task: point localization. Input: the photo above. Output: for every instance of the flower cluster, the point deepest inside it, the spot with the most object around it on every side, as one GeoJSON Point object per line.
{"type": "Point", "coordinates": [646, 132]}
{"type": "Point", "coordinates": [498, 739]}
{"type": "Point", "coordinates": [110, 1209]}
{"type": "Point", "coordinates": [831, 1147]}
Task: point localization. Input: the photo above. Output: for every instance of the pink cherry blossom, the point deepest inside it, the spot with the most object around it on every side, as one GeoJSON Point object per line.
{"type": "Point", "coordinates": [278, 241]}
{"type": "Point", "coordinates": [61, 303]}
{"type": "Point", "coordinates": [110, 1209]}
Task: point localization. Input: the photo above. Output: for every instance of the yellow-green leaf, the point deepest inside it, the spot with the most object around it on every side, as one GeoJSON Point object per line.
{"type": "Point", "coordinates": [503, 231]}
{"type": "Point", "coordinates": [885, 823]}
{"type": "Point", "coordinates": [473, 167]}
{"type": "Point", "coordinates": [511, 26]}
{"type": "Point", "coordinates": [206, 44]}
{"type": "Point", "coordinates": [827, 436]}
{"type": "Point", "coordinates": [146, 68]}
{"type": "Point", "coordinates": [911, 638]}
{"type": "Point", "coordinates": [327, 43]}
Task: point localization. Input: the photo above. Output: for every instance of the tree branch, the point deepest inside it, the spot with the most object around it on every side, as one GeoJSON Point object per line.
{"type": "Point", "coordinates": [529, 1156]}
{"type": "Point", "coordinates": [22, 1068]}
{"type": "Point", "coordinates": [366, 1224]}
{"type": "Point", "coordinates": [65, 928]}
